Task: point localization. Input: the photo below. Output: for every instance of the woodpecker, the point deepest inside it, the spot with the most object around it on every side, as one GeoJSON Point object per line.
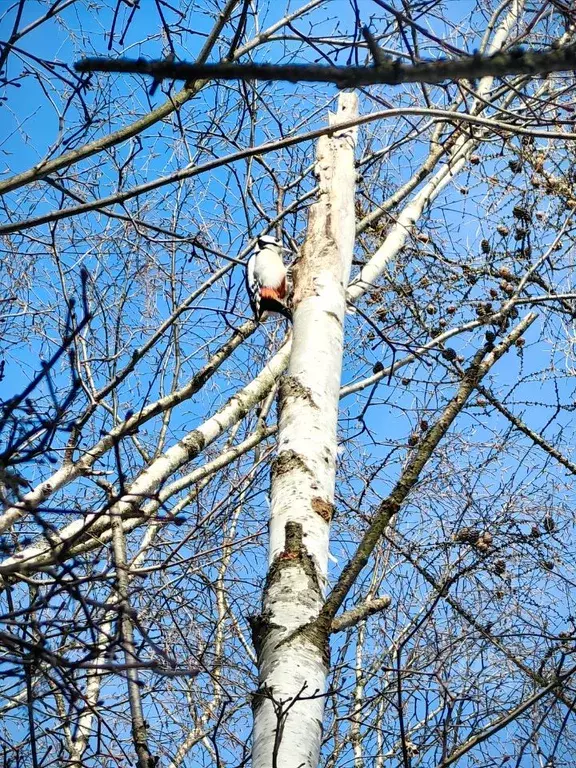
{"type": "Point", "coordinates": [266, 278]}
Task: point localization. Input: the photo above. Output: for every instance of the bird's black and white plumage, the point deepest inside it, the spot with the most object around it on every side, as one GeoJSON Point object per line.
{"type": "Point", "coordinates": [266, 279]}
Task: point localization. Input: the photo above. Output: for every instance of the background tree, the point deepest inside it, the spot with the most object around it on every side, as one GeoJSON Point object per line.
{"type": "Point", "coordinates": [139, 417]}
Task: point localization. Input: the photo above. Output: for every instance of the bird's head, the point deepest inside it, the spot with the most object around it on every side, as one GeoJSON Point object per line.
{"type": "Point", "coordinates": [265, 241]}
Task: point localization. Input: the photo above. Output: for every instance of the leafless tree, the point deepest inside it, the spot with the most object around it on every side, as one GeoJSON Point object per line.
{"type": "Point", "coordinates": [212, 540]}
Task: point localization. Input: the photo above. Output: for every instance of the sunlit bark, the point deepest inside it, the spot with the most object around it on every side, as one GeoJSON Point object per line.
{"type": "Point", "coordinates": [292, 662]}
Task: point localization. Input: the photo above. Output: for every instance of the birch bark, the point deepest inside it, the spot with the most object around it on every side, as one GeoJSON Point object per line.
{"type": "Point", "coordinates": [292, 656]}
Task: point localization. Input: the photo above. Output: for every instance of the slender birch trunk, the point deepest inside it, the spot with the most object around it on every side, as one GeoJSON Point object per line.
{"type": "Point", "coordinates": [293, 656]}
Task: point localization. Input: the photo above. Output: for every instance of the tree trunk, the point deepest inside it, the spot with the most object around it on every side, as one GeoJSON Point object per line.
{"type": "Point", "coordinates": [292, 657]}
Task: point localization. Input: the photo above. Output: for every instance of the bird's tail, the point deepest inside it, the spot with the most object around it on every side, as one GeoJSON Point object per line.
{"type": "Point", "coordinates": [273, 304]}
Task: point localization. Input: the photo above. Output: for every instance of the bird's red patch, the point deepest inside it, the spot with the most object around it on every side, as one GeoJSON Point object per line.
{"type": "Point", "coordinates": [272, 293]}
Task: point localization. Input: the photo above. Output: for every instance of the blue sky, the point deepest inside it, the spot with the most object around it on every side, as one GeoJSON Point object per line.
{"type": "Point", "coordinates": [21, 147]}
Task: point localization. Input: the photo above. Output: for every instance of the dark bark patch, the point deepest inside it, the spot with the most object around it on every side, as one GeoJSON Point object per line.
{"type": "Point", "coordinates": [317, 634]}
{"type": "Point", "coordinates": [333, 316]}
{"type": "Point", "coordinates": [259, 697]}
{"type": "Point", "coordinates": [260, 625]}
{"type": "Point", "coordinates": [291, 387]}
{"type": "Point", "coordinates": [323, 508]}
{"type": "Point", "coordinates": [194, 444]}
{"type": "Point", "coordinates": [294, 555]}
{"type": "Point", "coordinates": [293, 540]}
{"type": "Point", "coordinates": [288, 461]}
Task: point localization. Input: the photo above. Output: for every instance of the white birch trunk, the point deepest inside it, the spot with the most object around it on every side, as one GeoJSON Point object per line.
{"type": "Point", "coordinates": [293, 665]}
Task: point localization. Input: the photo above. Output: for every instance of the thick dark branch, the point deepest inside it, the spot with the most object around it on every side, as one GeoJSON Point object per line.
{"type": "Point", "coordinates": [391, 71]}
{"type": "Point", "coordinates": [481, 364]}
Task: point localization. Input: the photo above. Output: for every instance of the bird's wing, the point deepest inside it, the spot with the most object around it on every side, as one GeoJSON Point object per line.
{"type": "Point", "coordinates": [252, 284]}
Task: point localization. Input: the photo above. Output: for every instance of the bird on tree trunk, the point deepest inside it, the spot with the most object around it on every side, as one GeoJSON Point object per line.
{"type": "Point", "coordinates": [267, 279]}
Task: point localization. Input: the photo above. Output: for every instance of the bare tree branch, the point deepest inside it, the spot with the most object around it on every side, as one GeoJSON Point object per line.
{"type": "Point", "coordinates": [391, 72]}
